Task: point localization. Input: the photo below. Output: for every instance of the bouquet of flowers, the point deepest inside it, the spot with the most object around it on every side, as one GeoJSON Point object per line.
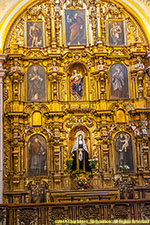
{"type": "Point", "coordinates": [69, 162]}
{"type": "Point", "coordinates": [82, 180]}
{"type": "Point", "coordinates": [124, 168]}
{"type": "Point", "coordinates": [93, 162]}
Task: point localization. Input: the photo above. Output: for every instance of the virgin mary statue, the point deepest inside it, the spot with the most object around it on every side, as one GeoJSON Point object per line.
{"type": "Point", "coordinates": [80, 154]}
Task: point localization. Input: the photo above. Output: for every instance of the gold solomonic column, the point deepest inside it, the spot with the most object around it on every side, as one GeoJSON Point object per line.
{"type": "Point", "coordinates": [2, 73]}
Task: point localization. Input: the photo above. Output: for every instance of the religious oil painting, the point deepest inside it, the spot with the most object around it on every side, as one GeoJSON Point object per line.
{"type": "Point", "coordinates": [36, 84]}
{"type": "Point", "coordinates": [123, 149]}
{"type": "Point", "coordinates": [116, 33]}
{"type": "Point", "coordinates": [75, 27]}
{"type": "Point", "coordinates": [118, 81]}
{"type": "Point", "coordinates": [37, 156]}
{"type": "Point", "coordinates": [35, 34]}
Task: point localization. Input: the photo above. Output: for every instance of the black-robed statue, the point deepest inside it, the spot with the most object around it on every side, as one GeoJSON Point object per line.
{"type": "Point", "coordinates": [80, 155]}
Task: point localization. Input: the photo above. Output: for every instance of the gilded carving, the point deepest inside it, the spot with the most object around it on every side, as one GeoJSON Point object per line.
{"type": "Point", "coordinates": [121, 212]}
{"type": "Point", "coordinates": [57, 84]}
{"type": "Point", "coordinates": [27, 216]}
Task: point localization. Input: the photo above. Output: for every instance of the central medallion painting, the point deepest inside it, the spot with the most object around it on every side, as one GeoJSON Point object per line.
{"type": "Point", "coordinates": [75, 27]}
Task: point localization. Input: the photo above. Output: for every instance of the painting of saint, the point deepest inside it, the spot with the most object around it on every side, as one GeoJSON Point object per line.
{"type": "Point", "coordinates": [80, 154]}
{"type": "Point", "coordinates": [116, 33]}
{"type": "Point", "coordinates": [75, 27]}
{"type": "Point", "coordinates": [123, 148]}
{"type": "Point", "coordinates": [119, 81]}
{"type": "Point", "coordinates": [36, 84]}
{"type": "Point", "coordinates": [37, 155]}
{"type": "Point", "coordinates": [35, 34]}
{"type": "Point", "coordinates": [76, 83]}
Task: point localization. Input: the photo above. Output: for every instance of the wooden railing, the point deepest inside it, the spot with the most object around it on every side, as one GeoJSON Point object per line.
{"type": "Point", "coordinates": [82, 212]}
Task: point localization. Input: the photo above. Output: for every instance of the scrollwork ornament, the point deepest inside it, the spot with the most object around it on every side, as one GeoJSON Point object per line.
{"type": "Point", "coordinates": [27, 216]}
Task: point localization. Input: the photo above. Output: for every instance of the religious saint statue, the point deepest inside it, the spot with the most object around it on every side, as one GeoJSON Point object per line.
{"type": "Point", "coordinates": [80, 154]}
{"type": "Point", "coordinates": [76, 83]}
{"type": "Point", "coordinates": [139, 65]}
{"type": "Point", "coordinates": [76, 29]}
{"type": "Point", "coordinates": [115, 32]}
{"type": "Point", "coordinates": [101, 67]}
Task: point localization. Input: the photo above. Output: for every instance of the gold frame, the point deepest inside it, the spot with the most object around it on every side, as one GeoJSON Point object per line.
{"type": "Point", "coordinates": [124, 30]}
{"type": "Point", "coordinates": [86, 31]}
{"type": "Point", "coordinates": [43, 31]}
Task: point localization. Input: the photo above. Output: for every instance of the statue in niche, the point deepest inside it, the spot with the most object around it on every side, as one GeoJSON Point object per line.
{"type": "Point", "coordinates": [123, 147]}
{"type": "Point", "coordinates": [76, 83]}
{"type": "Point", "coordinates": [80, 153]}
{"type": "Point", "coordinates": [37, 155]}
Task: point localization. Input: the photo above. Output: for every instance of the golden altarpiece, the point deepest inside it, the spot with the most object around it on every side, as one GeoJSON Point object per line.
{"type": "Point", "coordinates": [77, 74]}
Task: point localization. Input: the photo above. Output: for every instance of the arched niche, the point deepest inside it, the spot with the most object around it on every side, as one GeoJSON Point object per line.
{"type": "Point", "coordinates": [123, 150]}
{"type": "Point", "coordinates": [77, 82]}
{"type": "Point", "coordinates": [36, 90]}
{"type": "Point", "coordinates": [80, 148]}
{"type": "Point", "coordinates": [37, 155]}
{"type": "Point", "coordinates": [118, 81]}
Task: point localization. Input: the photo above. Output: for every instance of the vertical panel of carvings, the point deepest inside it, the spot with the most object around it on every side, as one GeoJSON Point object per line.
{"type": "Point", "coordinates": [16, 79]}
{"type": "Point", "coordinates": [139, 67]}
{"type": "Point", "coordinates": [134, 93]}
{"type": "Point", "coordinates": [99, 34]}
{"type": "Point", "coordinates": [93, 21]}
{"type": "Point", "coordinates": [58, 24]}
{"type": "Point", "coordinates": [102, 84]}
{"type": "Point", "coordinates": [55, 77]}
{"type": "Point", "coordinates": [2, 74]}
{"type": "Point", "coordinates": [140, 161]}
{"type": "Point", "coordinates": [52, 14]}
{"type": "Point", "coordinates": [140, 76]}
{"type": "Point", "coordinates": [57, 143]}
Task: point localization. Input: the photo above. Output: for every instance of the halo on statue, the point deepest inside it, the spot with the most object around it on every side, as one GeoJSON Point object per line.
{"type": "Point", "coordinates": [80, 133]}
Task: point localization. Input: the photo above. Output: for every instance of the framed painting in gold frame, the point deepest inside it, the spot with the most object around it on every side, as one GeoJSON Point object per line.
{"type": "Point", "coordinates": [75, 28]}
{"type": "Point", "coordinates": [116, 33]}
{"type": "Point", "coordinates": [34, 34]}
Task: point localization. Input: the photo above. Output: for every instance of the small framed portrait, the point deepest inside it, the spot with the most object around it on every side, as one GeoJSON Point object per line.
{"type": "Point", "coordinates": [118, 81]}
{"type": "Point", "coordinates": [34, 34]}
{"type": "Point", "coordinates": [116, 33]}
{"type": "Point", "coordinates": [75, 27]}
{"type": "Point", "coordinates": [36, 91]}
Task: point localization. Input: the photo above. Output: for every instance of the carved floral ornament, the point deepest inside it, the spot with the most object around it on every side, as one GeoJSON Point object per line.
{"type": "Point", "coordinates": [73, 121]}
